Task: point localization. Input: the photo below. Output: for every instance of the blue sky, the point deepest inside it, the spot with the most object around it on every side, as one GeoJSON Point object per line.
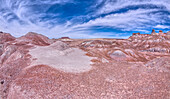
{"type": "Point", "coordinates": [84, 18]}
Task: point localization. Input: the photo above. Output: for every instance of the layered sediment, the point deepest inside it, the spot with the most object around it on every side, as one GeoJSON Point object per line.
{"type": "Point", "coordinates": [36, 67]}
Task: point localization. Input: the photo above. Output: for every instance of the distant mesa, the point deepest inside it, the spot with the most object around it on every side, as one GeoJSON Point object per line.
{"type": "Point", "coordinates": [136, 34]}
{"type": "Point", "coordinates": [64, 38]}
{"type": "Point", "coordinates": [160, 31]}
{"type": "Point", "coordinates": [152, 33]}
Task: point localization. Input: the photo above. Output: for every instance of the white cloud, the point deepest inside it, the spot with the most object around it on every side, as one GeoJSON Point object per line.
{"type": "Point", "coordinates": [118, 4]}
{"type": "Point", "coordinates": [127, 21]}
{"type": "Point", "coordinates": [162, 26]}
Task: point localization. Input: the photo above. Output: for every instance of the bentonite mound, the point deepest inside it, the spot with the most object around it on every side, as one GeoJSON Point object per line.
{"type": "Point", "coordinates": [59, 45]}
{"type": "Point", "coordinates": [36, 39]}
{"type": "Point", "coordinates": [36, 67]}
{"type": "Point", "coordinates": [4, 37]}
{"type": "Point", "coordinates": [118, 55]}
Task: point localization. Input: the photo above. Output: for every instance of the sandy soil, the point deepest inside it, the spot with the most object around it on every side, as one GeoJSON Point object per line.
{"type": "Point", "coordinates": [71, 60]}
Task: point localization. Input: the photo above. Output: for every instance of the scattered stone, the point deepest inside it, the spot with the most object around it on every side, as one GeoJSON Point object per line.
{"type": "Point", "coordinates": [2, 82]}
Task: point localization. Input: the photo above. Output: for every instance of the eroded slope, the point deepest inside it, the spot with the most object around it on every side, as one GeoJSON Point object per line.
{"type": "Point", "coordinates": [35, 67]}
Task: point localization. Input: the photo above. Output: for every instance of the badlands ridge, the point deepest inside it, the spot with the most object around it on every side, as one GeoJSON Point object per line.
{"type": "Point", "coordinates": [36, 67]}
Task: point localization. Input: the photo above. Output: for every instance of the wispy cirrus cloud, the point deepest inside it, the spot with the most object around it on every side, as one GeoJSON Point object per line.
{"type": "Point", "coordinates": [83, 19]}
{"type": "Point", "coordinates": [114, 5]}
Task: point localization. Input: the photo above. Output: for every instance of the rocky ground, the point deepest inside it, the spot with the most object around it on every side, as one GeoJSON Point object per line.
{"type": "Point", "coordinates": [36, 67]}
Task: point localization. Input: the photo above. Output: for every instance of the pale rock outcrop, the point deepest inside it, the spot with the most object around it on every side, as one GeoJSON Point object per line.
{"type": "Point", "coordinates": [161, 33]}
{"type": "Point", "coordinates": [153, 32]}
{"type": "Point", "coordinates": [59, 45]}
{"type": "Point", "coordinates": [118, 53]}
